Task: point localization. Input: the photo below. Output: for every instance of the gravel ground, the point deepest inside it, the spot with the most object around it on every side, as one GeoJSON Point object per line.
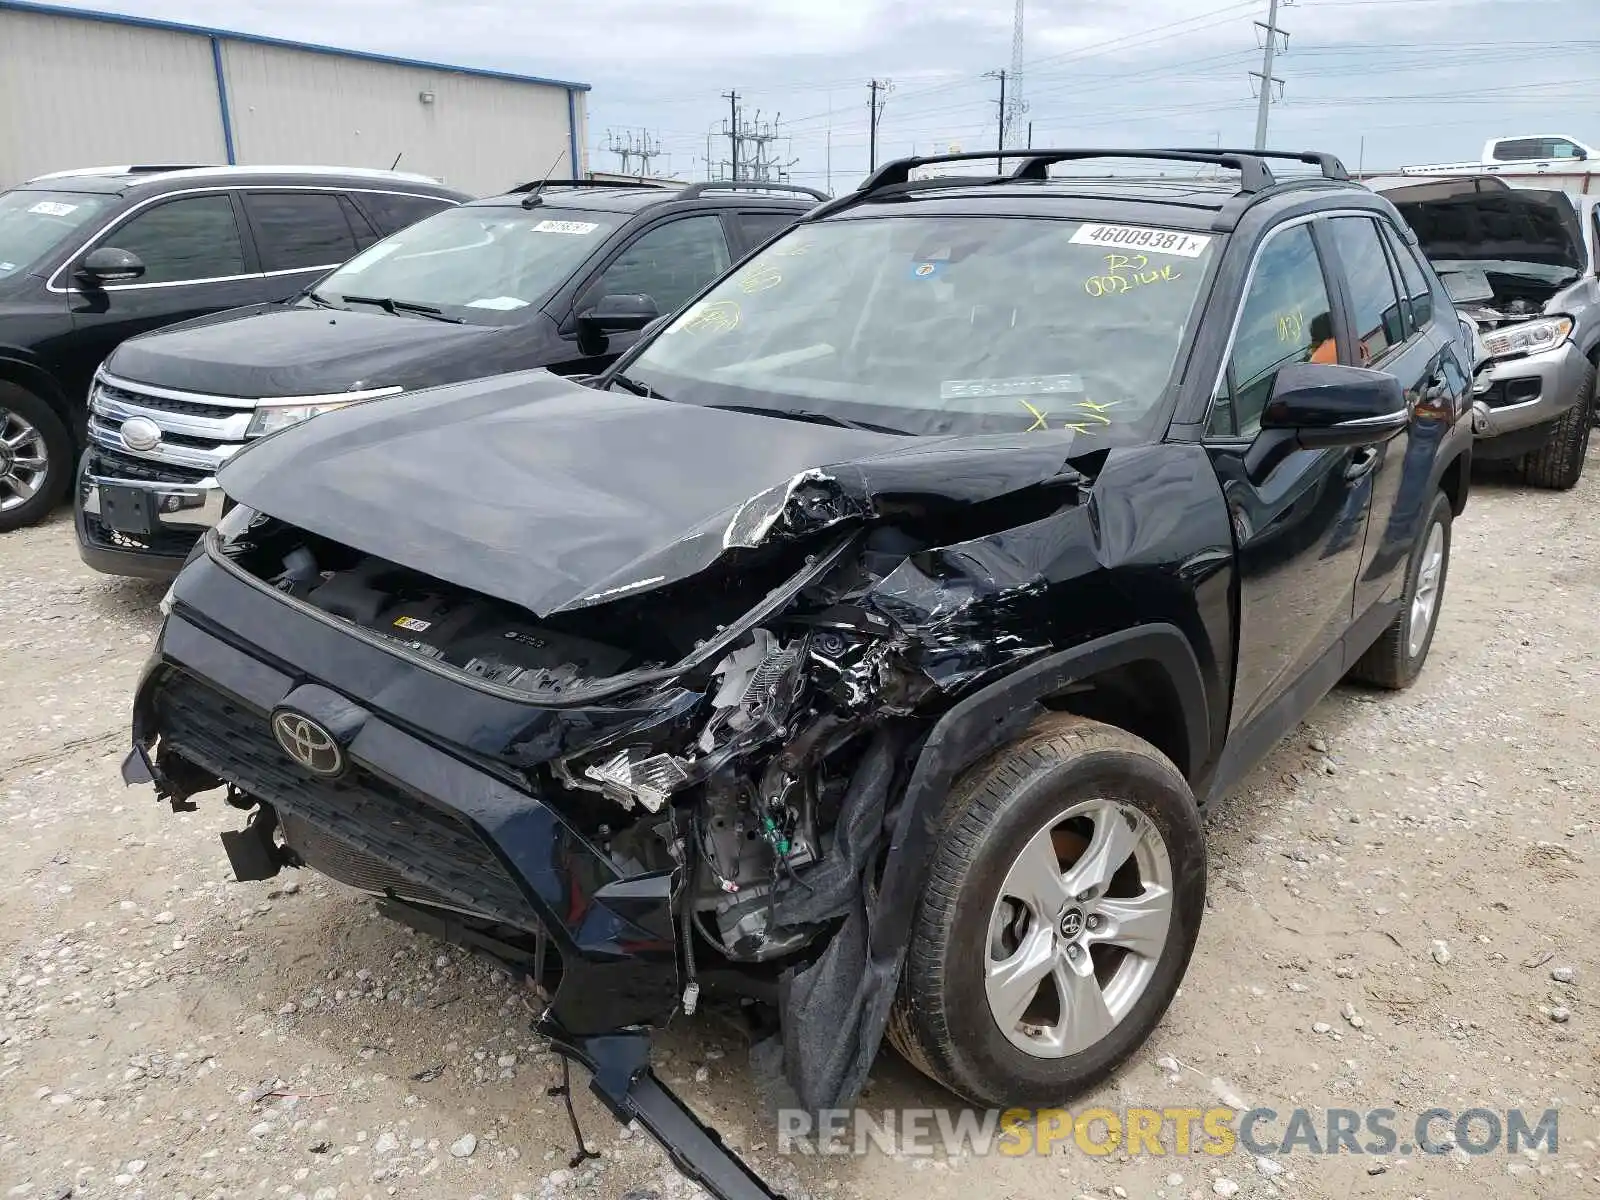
{"type": "Point", "coordinates": [1395, 896]}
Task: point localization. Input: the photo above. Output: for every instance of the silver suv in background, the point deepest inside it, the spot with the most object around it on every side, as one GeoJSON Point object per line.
{"type": "Point", "coordinates": [1520, 263]}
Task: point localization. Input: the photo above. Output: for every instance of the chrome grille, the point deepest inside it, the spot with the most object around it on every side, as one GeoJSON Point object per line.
{"type": "Point", "coordinates": [198, 433]}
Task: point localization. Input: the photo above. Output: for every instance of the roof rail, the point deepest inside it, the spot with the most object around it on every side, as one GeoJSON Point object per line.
{"type": "Point", "coordinates": [1255, 174]}
{"type": "Point", "coordinates": [748, 185]}
{"type": "Point", "coordinates": [1331, 165]}
{"type": "Point", "coordinates": [586, 183]}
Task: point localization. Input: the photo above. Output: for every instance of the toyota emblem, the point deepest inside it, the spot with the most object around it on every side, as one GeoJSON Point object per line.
{"type": "Point", "coordinates": [308, 743]}
{"type": "Point", "coordinates": [140, 434]}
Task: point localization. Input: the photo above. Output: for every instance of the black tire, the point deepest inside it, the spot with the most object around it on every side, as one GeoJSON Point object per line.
{"type": "Point", "coordinates": [57, 455]}
{"type": "Point", "coordinates": [1389, 662]}
{"type": "Point", "coordinates": [942, 1021]}
{"type": "Point", "coordinates": [1558, 464]}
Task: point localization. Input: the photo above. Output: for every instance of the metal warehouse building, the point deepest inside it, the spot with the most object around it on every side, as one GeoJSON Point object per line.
{"type": "Point", "coordinates": [81, 89]}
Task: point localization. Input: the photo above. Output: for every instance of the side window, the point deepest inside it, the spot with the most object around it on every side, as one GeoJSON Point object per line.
{"type": "Point", "coordinates": [1287, 318]}
{"type": "Point", "coordinates": [392, 212]}
{"type": "Point", "coordinates": [366, 233]}
{"type": "Point", "coordinates": [1518, 149]}
{"type": "Point", "coordinates": [1418, 292]}
{"type": "Point", "coordinates": [1374, 302]}
{"type": "Point", "coordinates": [1560, 148]}
{"type": "Point", "coordinates": [669, 264]}
{"type": "Point", "coordinates": [296, 231]}
{"type": "Point", "coordinates": [189, 239]}
{"type": "Point", "coordinates": [757, 227]}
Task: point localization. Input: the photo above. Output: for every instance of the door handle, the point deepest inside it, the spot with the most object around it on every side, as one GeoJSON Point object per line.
{"type": "Point", "coordinates": [1361, 465]}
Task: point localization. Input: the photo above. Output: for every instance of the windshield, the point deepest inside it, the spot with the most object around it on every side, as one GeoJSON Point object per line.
{"type": "Point", "coordinates": [929, 325]}
{"type": "Point", "coordinates": [33, 223]}
{"type": "Point", "coordinates": [483, 265]}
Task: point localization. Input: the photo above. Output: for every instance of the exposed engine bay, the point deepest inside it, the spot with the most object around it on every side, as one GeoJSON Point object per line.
{"type": "Point", "coordinates": [743, 788]}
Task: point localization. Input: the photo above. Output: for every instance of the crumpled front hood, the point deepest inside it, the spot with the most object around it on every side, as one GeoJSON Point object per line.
{"type": "Point", "coordinates": [1482, 219]}
{"type": "Point", "coordinates": [549, 495]}
{"type": "Point", "coordinates": [277, 350]}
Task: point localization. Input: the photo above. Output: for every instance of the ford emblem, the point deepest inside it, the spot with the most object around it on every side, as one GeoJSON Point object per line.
{"type": "Point", "coordinates": [141, 434]}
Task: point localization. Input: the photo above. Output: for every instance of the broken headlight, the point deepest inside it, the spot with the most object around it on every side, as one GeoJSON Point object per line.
{"type": "Point", "coordinates": [1528, 338]}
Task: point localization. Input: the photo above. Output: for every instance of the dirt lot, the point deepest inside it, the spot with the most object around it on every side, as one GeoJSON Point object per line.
{"type": "Point", "coordinates": [167, 1033]}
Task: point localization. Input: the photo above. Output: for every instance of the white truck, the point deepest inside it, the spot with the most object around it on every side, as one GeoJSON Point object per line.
{"type": "Point", "coordinates": [1545, 154]}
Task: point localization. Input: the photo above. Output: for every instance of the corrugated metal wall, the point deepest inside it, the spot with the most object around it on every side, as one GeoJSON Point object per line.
{"type": "Point", "coordinates": [481, 135]}
{"type": "Point", "coordinates": [85, 93]}
{"type": "Point", "coordinates": [78, 93]}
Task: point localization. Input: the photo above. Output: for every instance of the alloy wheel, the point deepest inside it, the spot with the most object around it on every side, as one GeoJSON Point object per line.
{"type": "Point", "coordinates": [24, 461]}
{"type": "Point", "coordinates": [1078, 928]}
{"type": "Point", "coordinates": [1425, 599]}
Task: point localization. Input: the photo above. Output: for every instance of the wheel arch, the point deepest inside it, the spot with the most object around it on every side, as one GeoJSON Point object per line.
{"type": "Point", "coordinates": [1103, 674]}
{"type": "Point", "coordinates": [35, 379]}
{"type": "Point", "coordinates": [1455, 480]}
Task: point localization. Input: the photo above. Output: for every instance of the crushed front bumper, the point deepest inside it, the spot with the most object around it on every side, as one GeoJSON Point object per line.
{"type": "Point", "coordinates": [130, 522]}
{"type": "Point", "coordinates": [1526, 392]}
{"type": "Point", "coordinates": [409, 822]}
{"type": "Point", "coordinates": [438, 837]}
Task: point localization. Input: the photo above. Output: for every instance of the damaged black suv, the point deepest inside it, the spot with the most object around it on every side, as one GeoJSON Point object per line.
{"type": "Point", "coordinates": [866, 642]}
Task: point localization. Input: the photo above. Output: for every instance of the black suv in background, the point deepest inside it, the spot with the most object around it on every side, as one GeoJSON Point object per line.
{"type": "Point", "coordinates": [865, 642]}
{"type": "Point", "coordinates": [90, 257]}
{"type": "Point", "coordinates": [558, 274]}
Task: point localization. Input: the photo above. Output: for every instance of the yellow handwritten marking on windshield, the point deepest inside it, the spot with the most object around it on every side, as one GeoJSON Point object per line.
{"type": "Point", "coordinates": [1089, 418]}
{"type": "Point", "coordinates": [1291, 326]}
{"type": "Point", "coordinates": [759, 279]}
{"type": "Point", "coordinates": [1125, 272]}
{"type": "Point", "coordinates": [716, 316]}
{"type": "Point", "coordinates": [1039, 421]}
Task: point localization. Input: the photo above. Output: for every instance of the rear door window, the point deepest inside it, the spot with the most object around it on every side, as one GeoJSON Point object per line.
{"type": "Point", "coordinates": [1374, 301]}
{"type": "Point", "coordinates": [757, 227]}
{"type": "Point", "coordinates": [299, 231]}
{"type": "Point", "coordinates": [1417, 291]}
{"type": "Point", "coordinates": [187, 240]}
{"type": "Point", "coordinates": [391, 211]}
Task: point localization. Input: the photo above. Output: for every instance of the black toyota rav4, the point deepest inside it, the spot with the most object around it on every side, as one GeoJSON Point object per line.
{"type": "Point", "coordinates": [867, 641]}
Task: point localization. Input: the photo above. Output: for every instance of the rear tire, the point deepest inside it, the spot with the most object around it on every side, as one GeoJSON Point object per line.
{"type": "Point", "coordinates": [1395, 660]}
{"type": "Point", "coordinates": [35, 458]}
{"type": "Point", "coordinates": [1558, 464]}
{"type": "Point", "coordinates": [1131, 939]}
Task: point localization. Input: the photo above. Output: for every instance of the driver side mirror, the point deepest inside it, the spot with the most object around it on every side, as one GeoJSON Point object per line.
{"type": "Point", "coordinates": [1323, 404]}
{"type": "Point", "coordinates": [109, 265]}
{"type": "Point", "coordinates": [617, 314]}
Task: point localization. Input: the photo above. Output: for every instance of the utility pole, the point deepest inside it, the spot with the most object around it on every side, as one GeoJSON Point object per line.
{"type": "Point", "coordinates": [733, 128]}
{"type": "Point", "coordinates": [874, 111]}
{"type": "Point", "coordinates": [1266, 78]}
{"type": "Point", "coordinates": [634, 144]}
{"type": "Point", "coordinates": [999, 158]}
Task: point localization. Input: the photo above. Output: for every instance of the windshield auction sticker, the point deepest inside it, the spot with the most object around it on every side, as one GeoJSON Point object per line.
{"type": "Point", "coordinates": [53, 208]}
{"type": "Point", "coordinates": [578, 227]}
{"type": "Point", "coordinates": [1138, 237]}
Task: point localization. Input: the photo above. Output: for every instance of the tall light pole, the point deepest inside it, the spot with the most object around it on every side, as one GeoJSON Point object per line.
{"type": "Point", "coordinates": [1268, 52]}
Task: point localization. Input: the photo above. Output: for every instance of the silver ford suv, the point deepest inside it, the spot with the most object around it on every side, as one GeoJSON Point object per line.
{"type": "Point", "coordinates": [1520, 262]}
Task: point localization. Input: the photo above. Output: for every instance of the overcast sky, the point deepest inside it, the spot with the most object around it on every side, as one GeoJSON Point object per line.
{"type": "Point", "coordinates": [1418, 80]}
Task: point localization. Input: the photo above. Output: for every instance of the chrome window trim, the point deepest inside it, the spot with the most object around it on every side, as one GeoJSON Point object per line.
{"type": "Point", "coordinates": [226, 188]}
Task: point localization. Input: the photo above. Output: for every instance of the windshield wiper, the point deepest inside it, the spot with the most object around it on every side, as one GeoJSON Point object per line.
{"type": "Point", "coordinates": [811, 415]}
{"type": "Point", "coordinates": [396, 307]}
{"type": "Point", "coordinates": [319, 300]}
{"type": "Point", "coordinates": [637, 388]}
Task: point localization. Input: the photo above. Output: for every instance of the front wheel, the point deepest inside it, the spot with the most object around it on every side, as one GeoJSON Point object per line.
{"type": "Point", "coordinates": [35, 458]}
{"type": "Point", "coordinates": [1558, 464]}
{"type": "Point", "coordinates": [1061, 909]}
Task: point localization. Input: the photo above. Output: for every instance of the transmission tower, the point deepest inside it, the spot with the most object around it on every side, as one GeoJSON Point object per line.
{"type": "Point", "coordinates": [1266, 81]}
{"type": "Point", "coordinates": [752, 148]}
{"type": "Point", "coordinates": [634, 145]}
{"type": "Point", "coordinates": [1011, 118]}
